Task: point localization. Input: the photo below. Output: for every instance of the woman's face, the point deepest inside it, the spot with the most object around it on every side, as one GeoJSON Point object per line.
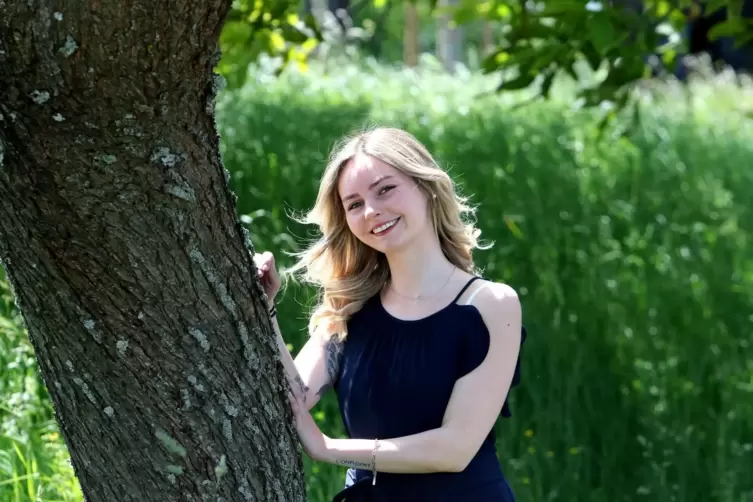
{"type": "Point", "coordinates": [385, 209]}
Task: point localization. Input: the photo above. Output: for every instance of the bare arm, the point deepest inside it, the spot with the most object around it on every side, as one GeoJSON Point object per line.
{"type": "Point", "coordinates": [314, 369]}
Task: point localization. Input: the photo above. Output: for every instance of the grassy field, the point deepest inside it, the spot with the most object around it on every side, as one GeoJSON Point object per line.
{"type": "Point", "coordinates": [632, 256]}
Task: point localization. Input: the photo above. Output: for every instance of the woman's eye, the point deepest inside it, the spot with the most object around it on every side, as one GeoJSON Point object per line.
{"type": "Point", "coordinates": [386, 189]}
{"type": "Point", "coordinates": [353, 206]}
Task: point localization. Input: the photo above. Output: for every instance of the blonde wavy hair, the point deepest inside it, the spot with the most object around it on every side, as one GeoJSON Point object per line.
{"type": "Point", "coordinates": [347, 271]}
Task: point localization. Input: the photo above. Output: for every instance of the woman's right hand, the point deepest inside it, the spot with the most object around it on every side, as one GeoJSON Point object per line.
{"type": "Point", "coordinates": [267, 274]}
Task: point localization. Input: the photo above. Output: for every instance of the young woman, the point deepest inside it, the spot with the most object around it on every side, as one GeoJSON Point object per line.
{"type": "Point", "coordinates": [420, 351]}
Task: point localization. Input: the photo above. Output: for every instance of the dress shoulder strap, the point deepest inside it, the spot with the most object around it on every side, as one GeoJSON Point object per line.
{"type": "Point", "coordinates": [465, 288]}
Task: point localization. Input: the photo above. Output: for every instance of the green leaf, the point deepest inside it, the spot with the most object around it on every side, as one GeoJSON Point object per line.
{"type": "Point", "coordinates": [743, 39]}
{"type": "Point", "coordinates": [636, 118]}
{"type": "Point", "coordinates": [546, 55]}
{"type": "Point", "coordinates": [520, 82]}
{"type": "Point", "coordinates": [594, 58]}
{"type": "Point", "coordinates": [310, 21]}
{"type": "Point", "coordinates": [596, 95]}
{"type": "Point", "coordinates": [677, 19]}
{"type": "Point", "coordinates": [570, 69]}
{"type": "Point", "coordinates": [629, 70]}
{"type": "Point", "coordinates": [663, 8]}
{"type": "Point", "coordinates": [546, 84]}
{"type": "Point", "coordinates": [513, 57]}
{"type": "Point", "coordinates": [669, 57]}
{"type": "Point", "coordinates": [601, 32]}
{"type": "Point", "coordinates": [292, 34]}
{"type": "Point", "coordinates": [464, 14]}
{"type": "Point", "coordinates": [513, 227]}
{"type": "Point", "coordinates": [534, 30]}
{"type": "Point", "coordinates": [728, 28]}
{"type": "Point", "coordinates": [494, 61]}
{"type": "Point", "coordinates": [712, 6]}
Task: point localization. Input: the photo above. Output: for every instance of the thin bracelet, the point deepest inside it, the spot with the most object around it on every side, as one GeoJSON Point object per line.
{"type": "Point", "coordinates": [273, 311]}
{"type": "Point", "coordinates": [373, 462]}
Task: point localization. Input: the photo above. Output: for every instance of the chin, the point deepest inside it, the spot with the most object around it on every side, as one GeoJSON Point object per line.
{"type": "Point", "coordinates": [388, 246]}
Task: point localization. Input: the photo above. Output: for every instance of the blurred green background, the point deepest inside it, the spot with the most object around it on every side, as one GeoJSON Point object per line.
{"type": "Point", "coordinates": [631, 253]}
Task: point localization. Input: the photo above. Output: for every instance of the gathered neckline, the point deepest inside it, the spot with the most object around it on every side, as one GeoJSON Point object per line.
{"type": "Point", "coordinates": [427, 317]}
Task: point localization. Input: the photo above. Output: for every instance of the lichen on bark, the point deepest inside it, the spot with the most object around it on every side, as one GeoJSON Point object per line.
{"type": "Point", "coordinates": [129, 266]}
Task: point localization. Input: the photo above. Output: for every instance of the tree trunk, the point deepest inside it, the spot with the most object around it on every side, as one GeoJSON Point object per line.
{"type": "Point", "coordinates": [449, 38]}
{"type": "Point", "coordinates": [487, 38]}
{"type": "Point", "coordinates": [119, 235]}
{"type": "Point", "coordinates": [410, 34]}
{"type": "Point", "coordinates": [339, 9]}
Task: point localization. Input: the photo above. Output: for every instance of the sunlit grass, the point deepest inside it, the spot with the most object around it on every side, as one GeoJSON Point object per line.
{"type": "Point", "coordinates": [34, 463]}
{"type": "Point", "coordinates": [631, 254]}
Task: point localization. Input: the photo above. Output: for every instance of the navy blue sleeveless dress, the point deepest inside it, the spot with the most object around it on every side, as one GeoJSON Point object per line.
{"type": "Point", "coordinates": [396, 378]}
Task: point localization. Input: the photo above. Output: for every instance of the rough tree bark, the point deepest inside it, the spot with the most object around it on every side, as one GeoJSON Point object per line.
{"type": "Point", "coordinates": [119, 236]}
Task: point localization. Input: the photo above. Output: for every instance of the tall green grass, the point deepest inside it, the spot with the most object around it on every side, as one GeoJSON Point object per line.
{"type": "Point", "coordinates": [34, 463]}
{"type": "Point", "coordinates": [632, 256]}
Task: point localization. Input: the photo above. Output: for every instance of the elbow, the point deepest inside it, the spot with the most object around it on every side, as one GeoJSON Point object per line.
{"type": "Point", "coordinates": [459, 464]}
{"type": "Point", "coordinates": [453, 464]}
{"type": "Point", "coordinates": [456, 457]}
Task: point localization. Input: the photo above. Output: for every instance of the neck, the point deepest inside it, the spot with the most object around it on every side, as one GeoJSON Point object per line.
{"type": "Point", "coordinates": [419, 270]}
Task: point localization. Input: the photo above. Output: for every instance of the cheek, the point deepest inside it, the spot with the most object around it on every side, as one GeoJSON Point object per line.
{"type": "Point", "coordinates": [417, 206]}
{"type": "Point", "coordinates": [353, 223]}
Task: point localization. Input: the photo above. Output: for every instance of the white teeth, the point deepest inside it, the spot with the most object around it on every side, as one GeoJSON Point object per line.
{"type": "Point", "coordinates": [384, 227]}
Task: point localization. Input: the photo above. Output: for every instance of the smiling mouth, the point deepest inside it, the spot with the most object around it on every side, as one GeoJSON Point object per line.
{"type": "Point", "coordinates": [383, 228]}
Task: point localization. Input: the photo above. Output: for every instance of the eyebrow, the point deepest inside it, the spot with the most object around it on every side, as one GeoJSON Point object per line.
{"type": "Point", "coordinates": [355, 195]}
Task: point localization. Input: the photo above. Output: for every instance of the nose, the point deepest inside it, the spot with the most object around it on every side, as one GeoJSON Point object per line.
{"type": "Point", "coordinates": [370, 211]}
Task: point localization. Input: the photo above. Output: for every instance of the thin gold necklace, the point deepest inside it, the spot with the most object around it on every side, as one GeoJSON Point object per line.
{"type": "Point", "coordinates": [423, 297]}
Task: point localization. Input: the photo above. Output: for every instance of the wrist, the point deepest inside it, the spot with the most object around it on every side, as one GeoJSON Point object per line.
{"type": "Point", "coordinates": [328, 452]}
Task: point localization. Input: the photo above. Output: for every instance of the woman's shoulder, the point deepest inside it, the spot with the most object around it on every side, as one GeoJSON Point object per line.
{"type": "Point", "coordinates": [489, 296]}
{"type": "Point", "coordinates": [497, 304]}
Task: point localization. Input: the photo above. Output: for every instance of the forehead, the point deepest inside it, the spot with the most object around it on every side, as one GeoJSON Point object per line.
{"type": "Point", "coordinates": [361, 171]}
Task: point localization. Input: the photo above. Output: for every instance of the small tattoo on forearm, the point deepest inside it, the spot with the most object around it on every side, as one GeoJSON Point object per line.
{"type": "Point", "coordinates": [333, 351]}
{"type": "Point", "coordinates": [301, 387]}
{"type": "Point", "coordinates": [351, 463]}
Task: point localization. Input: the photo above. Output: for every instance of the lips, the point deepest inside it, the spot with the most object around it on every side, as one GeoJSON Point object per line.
{"type": "Point", "coordinates": [384, 226]}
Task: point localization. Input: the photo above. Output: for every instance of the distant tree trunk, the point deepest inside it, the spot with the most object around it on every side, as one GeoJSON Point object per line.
{"type": "Point", "coordinates": [449, 38]}
{"type": "Point", "coordinates": [332, 5]}
{"type": "Point", "coordinates": [340, 9]}
{"type": "Point", "coordinates": [119, 235]}
{"type": "Point", "coordinates": [336, 5]}
{"type": "Point", "coordinates": [487, 38]}
{"type": "Point", "coordinates": [410, 34]}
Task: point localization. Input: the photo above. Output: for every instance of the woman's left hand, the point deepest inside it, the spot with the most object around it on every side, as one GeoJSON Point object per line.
{"type": "Point", "coordinates": [313, 440]}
